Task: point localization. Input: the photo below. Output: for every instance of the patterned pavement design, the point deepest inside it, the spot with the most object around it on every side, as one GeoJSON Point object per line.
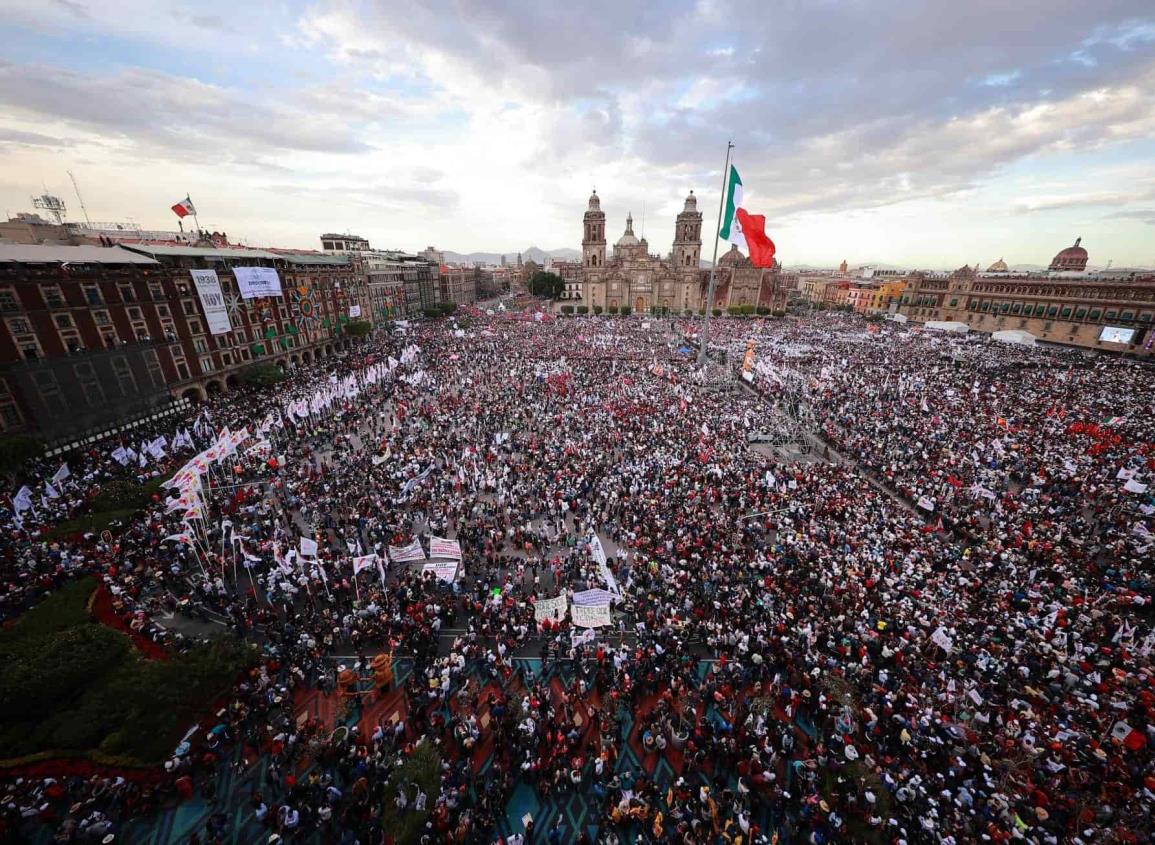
{"type": "Point", "coordinates": [578, 809]}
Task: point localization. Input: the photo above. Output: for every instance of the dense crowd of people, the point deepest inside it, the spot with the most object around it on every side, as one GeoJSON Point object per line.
{"type": "Point", "coordinates": [934, 628]}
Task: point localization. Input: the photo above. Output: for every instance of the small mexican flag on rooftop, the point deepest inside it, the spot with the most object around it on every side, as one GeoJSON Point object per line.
{"type": "Point", "coordinates": [746, 230]}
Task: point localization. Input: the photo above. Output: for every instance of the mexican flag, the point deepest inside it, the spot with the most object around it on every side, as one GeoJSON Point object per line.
{"type": "Point", "coordinates": [746, 230]}
{"type": "Point", "coordinates": [184, 208]}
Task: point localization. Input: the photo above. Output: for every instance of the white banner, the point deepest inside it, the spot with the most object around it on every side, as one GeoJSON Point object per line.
{"type": "Point", "coordinates": [925, 503]}
{"type": "Point", "coordinates": [212, 300]}
{"type": "Point", "coordinates": [444, 570]}
{"type": "Point", "coordinates": [308, 547]}
{"type": "Point", "coordinates": [599, 555]}
{"type": "Point", "coordinates": [552, 609]}
{"type": "Point", "coordinates": [406, 554]}
{"type": "Point", "coordinates": [256, 282]}
{"type": "Point", "coordinates": [362, 563]}
{"type": "Point", "coordinates": [596, 616]}
{"type": "Point", "coordinates": [942, 639]}
{"type": "Point", "coordinates": [354, 311]}
{"type": "Point", "coordinates": [596, 596]}
{"type": "Point", "coordinates": [440, 547]}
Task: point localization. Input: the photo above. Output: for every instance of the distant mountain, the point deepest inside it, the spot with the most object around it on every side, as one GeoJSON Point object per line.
{"type": "Point", "coordinates": [532, 253]}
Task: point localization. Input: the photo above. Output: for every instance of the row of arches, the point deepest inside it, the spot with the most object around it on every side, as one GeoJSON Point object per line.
{"type": "Point", "coordinates": [215, 386]}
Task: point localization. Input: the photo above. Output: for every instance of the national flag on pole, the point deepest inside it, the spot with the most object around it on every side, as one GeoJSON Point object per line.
{"type": "Point", "coordinates": [747, 231]}
{"type": "Point", "coordinates": [362, 563]}
{"type": "Point", "coordinates": [184, 208]}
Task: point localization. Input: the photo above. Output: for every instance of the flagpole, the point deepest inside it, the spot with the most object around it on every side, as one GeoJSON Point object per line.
{"type": "Point", "coordinates": [705, 338]}
{"type": "Point", "coordinates": [195, 218]}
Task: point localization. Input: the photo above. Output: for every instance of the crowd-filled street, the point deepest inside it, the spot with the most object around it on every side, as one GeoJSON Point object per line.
{"type": "Point", "coordinates": [546, 555]}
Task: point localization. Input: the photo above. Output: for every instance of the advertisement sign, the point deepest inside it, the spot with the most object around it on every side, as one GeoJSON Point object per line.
{"type": "Point", "coordinates": [257, 282]}
{"type": "Point", "coordinates": [212, 300]}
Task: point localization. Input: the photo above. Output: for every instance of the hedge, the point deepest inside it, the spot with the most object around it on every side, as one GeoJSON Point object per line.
{"type": "Point", "coordinates": [598, 309]}
{"type": "Point", "coordinates": [358, 328]}
{"type": "Point", "coordinates": [261, 375]}
{"type": "Point", "coordinates": [70, 686]}
{"type": "Point", "coordinates": [626, 311]}
{"type": "Point", "coordinates": [583, 309]}
{"type": "Point", "coordinates": [567, 309]}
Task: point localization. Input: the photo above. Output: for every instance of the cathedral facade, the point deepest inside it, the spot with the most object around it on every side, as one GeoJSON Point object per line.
{"type": "Point", "coordinates": [631, 277]}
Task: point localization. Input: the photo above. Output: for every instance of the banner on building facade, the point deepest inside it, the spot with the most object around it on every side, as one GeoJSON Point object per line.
{"type": "Point", "coordinates": [257, 282]}
{"type": "Point", "coordinates": [354, 312]}
{"type": "Point", "coordinates": [212, 300]}
{"type": "Point", "coordinates": [552, 609]}
{"type": "Point", "coordinates": [595, 616]}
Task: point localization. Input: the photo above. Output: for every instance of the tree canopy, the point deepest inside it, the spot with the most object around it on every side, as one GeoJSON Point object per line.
{"type": "Point", "coordinates": [546, 284]}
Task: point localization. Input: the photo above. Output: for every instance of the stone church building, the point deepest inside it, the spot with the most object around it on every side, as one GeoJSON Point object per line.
{"type": "Point", "coordinates": [632, 277]}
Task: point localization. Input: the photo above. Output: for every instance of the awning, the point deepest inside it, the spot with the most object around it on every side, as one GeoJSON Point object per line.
{"type": "Point", "coordinates": [947, 326]}
{"type": "Point", "coordinates": [1018, 336]}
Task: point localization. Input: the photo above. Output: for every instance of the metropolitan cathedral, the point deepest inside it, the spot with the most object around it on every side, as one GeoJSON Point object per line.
{"type": "Point", "coordinates": [633, 278]}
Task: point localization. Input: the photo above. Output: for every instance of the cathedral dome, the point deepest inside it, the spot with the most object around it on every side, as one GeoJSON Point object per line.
{"type": "Point", "coordinates": [1071, 258]}
{"type": "Point", "coordinates": [628, 239]}
{"type": "Point", "coordinates": [999, 266]}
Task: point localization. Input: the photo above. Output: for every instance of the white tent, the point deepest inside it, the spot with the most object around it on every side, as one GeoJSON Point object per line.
{"type": "Point", "coordinates": [947, 326]}
{"type": "Point", "coordinates": [1019, 336]}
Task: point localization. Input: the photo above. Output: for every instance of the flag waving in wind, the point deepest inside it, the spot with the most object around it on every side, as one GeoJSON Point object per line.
{"type": "Point", "coordinates": [747, 231]}
{"type": "Point", "coordinates": [184, 208]}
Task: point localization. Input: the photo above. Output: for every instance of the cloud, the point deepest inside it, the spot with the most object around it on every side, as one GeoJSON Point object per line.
{"type": "Point", "coordinates": [140, 106]}
{"type": "Point", "coordinates": [32, 139]}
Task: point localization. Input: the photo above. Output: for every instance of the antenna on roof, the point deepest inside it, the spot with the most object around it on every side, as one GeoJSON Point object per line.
{"type": "Point", "coordinates": [83, 207]}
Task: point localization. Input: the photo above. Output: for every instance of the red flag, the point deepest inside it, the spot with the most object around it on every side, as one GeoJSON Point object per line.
{"type": "Point", "coordinates": [184, 208]}
{"type": "Point", "coordinates": [758, 243]}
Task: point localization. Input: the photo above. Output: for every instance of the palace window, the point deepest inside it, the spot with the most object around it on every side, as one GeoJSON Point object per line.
{"type": "Point", "coordinates": [8, 300]}
{"type": "Point", "coordinates": [53, 298]}
{"type": "Point", "coordinates": [92, 294]}
{"type": "Point", "coordinates": [1095, 314]}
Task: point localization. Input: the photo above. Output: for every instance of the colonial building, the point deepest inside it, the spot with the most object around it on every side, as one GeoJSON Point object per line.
{"type": "Point", "coordinates": [1108, 311]}
{"type": "Point", "coordinates": [457, 284]}
{"type": "Point", "coordinates": [631, 277]}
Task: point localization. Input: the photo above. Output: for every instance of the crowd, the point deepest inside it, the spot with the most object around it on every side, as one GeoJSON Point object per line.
{"type": "Point", "coordinates": [936, 630]}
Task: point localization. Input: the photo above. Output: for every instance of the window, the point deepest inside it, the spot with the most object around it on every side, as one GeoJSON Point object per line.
{"type": "Point", "coordinates": [108, 336]}
{"type": "Point", "coordinates": [89, 384]}
{"type": "Point", "coordinates": [194, 326]}
{"type": "Point", "coordinates": [206, 363]}
{"type": "Point", "coordinates": [8, 300]}
{"type": "Point", "coordinates": [1095, 314]}
{"type": "Point", "coordinates": [53, 298]}
{"type": "Point", "coordinates": [1081, 313]}
{"type": "Point", "coordinates": [181, 369]}
{"type": "Point", "coordinates": [227, 358]}
{"type": "Point", "coordinates": [1066, 312]}
{"type": "Point", "coordinates": [155, 373]}
{"type": "Point", "coordinates": [48, 389]}
{"type": "Point", "coordinates": [162, 310]}
{"type": "Point", "coordinates": [156, 290]}
{"type": "Point", "coordinates": [200, 345]}
{"type": "Point", "coordinates": [954, 302]}
{"type": "Point", "coordinates": [92, 295]}
{"type": "Point", "coordinates": [63, 321]}
{"type": "Point", "coordinates": [1016, 308]}
{"type": "Point", "coordinates": [127, 293]}
{"type": "Point", "coordinates": [1111, 315]}
{"type": "Point", "coordinates": [19, 325]}
{"type": "Point", "coordinates": [188, 306]}
{"type": "Point", "coordinates": [135, 314]}
{"type": "Point", "coordinates": [124, 377]}
{"type": "Point", "coordinates": [102, 318]}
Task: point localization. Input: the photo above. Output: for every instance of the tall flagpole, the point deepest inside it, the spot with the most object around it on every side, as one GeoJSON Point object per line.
{"type": "Point", "coordinates": [705, 339]}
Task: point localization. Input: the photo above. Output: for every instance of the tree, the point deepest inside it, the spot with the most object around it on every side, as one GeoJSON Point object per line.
{"type": "Point", "coordinates": [547, 285]}
{"type": "Point", "coordinates": [583, 309]}
{"type": "Point", "coordinates": [261, 375]}
{"type": "Point", "coordinates": [567, 309]}
{"type": "Point", "coordinates": [598, 309]}
{"type": "Point", "coordinates": [358, 328]}
{"type": "Point", "coordinates": [15, 449]}
{"type": "Point", "coordinates": [626, 311]}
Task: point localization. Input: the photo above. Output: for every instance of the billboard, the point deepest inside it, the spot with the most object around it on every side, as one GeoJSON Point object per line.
{"type": "Point", "coordinates": [212, 300]}
{"type": "Point", "coordinates": [257, 282]}
{"type": "Point", "coordinates": [1116, 334]}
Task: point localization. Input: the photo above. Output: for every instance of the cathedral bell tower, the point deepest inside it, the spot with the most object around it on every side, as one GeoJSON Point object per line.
{"type": "Point", "coordinates": [594, 235]}
{"type": "Point", "coordinates": [688, 236]}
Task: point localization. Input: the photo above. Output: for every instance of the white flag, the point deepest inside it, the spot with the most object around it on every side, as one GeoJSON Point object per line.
{"type": "Point", "coordinates": [308, 547]}
{"type": "Point", "coordinates": [61, 474]}
{"type": "Point", "coordinates": [362, 563]}
{"type": "Point", "coordinates": [22, 501]}
{"type": "Point", "coordinates": [51, 492]}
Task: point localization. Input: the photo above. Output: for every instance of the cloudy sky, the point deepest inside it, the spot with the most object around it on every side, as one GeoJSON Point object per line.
{"type": "Point", "coordinates": [926, 133]}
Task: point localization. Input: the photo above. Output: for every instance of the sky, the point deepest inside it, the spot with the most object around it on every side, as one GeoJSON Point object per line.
{"type": "Point", "coordinates": [919, 133]}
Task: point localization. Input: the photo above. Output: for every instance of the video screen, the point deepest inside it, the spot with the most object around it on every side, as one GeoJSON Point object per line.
{"type": "Point", "coordinates": [1115, 334]}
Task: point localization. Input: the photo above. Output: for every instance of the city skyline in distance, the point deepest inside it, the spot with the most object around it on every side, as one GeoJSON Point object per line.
{"type": "Point", "coordinates": [916, 135]}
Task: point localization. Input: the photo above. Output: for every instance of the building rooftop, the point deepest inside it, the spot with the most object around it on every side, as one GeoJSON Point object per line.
{"type": "Point", "coordinates": [49, 254]}
{"type": "Point", "coordinates": [158, 250]}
